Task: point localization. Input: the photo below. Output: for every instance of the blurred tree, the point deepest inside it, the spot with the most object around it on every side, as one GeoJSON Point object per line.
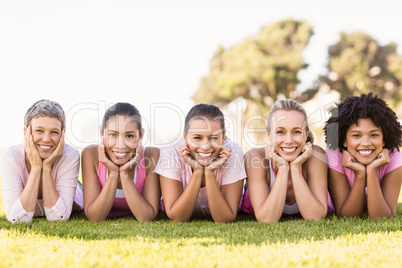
{"type": "Point", "coordinates": [259, 70]}
{"type": "Point", "coordinates": [358, 64]}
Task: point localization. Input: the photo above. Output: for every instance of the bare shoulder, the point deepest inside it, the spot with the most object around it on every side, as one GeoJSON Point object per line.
{"type": "Point", "coordinates": [89, 161]}
{"type": "Point", "coordinates": [318, 157]}
{"type": "Point", "coordinates": [152, 152]}
{"type": "Point", "coordinates": [151, 157]}
{"type": "Point", "coordinates": [318, 149]}
{"type": "Point", "coordinates": [255, 158]}
{"type": "Point", "coordinates": [91, 152]}
{"type": "Point", "coordinates": [256, 152]}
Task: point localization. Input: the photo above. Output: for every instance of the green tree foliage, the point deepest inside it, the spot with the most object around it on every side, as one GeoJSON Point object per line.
{"type": "Point", "coordinates": [259, 70]}
{"type": "Point", "coordinates": [358, 64]}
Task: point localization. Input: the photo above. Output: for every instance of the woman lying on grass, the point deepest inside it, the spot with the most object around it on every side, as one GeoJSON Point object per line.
{"type": "Point", "coordinates": [39, 177]}
{"type": "Point", "coordinates": [118, 175]}
{"type": "Point", "coordinates": [289, 176]}
{"type": "Point", "coordinates": [365, 173]}
{"type": "Point", "coordinates": [203, 173]}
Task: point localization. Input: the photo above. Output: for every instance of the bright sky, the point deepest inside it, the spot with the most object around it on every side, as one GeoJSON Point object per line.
{"type": "Point", "coordinates": [88, 55]}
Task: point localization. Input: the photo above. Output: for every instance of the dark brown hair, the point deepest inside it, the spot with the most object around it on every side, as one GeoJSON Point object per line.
{"type": "Point", "coordinates": [125, 109]}
{"type": "Point", "coordinates": [202, 111]}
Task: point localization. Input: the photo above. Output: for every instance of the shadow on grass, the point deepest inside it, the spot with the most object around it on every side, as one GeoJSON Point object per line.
{"type": "Point", "coordinates": [245, 230]}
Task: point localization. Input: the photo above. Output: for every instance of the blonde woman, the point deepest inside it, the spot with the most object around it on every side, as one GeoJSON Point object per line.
{"type": "Point", "coordinates": [289, 176]}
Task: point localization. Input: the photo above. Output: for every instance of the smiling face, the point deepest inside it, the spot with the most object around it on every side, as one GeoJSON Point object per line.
{"type": "Point", "coordinates": [288, 133]}
{"type": "Point", "coordinates": [46, 133]}
{"type": "Point", "coordinates": [205, 138]}
{"type": "Point", "coordinates": [121, 136]}
{"type": "Point", "coordinates": [364, 141]}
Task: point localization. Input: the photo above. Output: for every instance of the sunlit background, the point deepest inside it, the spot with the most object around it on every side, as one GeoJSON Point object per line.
{"type": "Point", "coordinates": [88, 55]}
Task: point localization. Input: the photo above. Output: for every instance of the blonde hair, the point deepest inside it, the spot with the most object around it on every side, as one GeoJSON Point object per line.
{"type": "Point", "coordinates": [289, 105]}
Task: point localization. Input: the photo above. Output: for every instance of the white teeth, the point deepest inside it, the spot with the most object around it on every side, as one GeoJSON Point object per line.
{"type": "Point", "coordinates": [45, 147]}
{"type": "Point", "coordinates": [120, 154]}
{"type": "Point", "coordinates": [289, 150]}
{"type": "Point", "coordinates": [365, 152]}
{"type": "Point", "coordinates": [205, 155]}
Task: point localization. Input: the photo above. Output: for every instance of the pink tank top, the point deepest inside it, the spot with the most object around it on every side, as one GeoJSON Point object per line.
{"type": "Point", "coordinates": [120, 207]}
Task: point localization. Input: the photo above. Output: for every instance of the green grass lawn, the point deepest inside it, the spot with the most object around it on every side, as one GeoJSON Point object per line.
{"type": "Point", "coordinates": [332, 242]}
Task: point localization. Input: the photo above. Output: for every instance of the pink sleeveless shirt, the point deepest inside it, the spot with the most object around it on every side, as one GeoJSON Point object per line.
{"type": "Point", "coordinates": [335, 163]}
{"type": "Point", "coordinates": [120, 207]}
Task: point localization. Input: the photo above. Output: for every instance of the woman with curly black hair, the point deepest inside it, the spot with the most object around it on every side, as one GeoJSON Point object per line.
{"type": "Point", "coordinates": [365, 164]}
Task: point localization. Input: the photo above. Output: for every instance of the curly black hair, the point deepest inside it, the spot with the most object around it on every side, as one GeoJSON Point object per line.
{"type": "Point", "coordinates": [366, 106]}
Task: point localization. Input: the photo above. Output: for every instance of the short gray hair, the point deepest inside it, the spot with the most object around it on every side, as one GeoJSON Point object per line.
{"type": "Point", "coordinates": [43, 108]}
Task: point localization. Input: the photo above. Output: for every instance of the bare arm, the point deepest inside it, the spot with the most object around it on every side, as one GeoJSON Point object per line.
{"type": "Point", "coordinates": [348, 201]}
{"type": "Point", "coordinates": [382, 199]}
{"type": "Point", "coordinates": [223, 204]}
{"type": "Point", "coordinates": [98, 201]}
{"type": "Point", "coordinates": [145, 207]}
{"type": "Point", "coordinates": [179, 204]}
{"type": "Point", "coordinates": [267, 204]}
{"type": "Point", "coordinates": [311, 193]}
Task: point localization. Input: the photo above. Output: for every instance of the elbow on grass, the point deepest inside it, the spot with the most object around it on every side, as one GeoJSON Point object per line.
{"type": "Point", "coordinates": [377, 217]}
{"type": "Point", "coordinates": [315, 218]}
{"type": "Point", "coordinates": [267, 219]}
{"type": "Point", "coordinates": [182, 220]}
{"type": "Point", "coordinates": [223, 220]}
{"type": "Point", "coordinates": [146, 218]}
{"type": "Point", "coordinates": [346, 215]}
{"type": "Point", "coordinates": [92, 218]}
{"type": "Point", "coordinates": [177, 218]}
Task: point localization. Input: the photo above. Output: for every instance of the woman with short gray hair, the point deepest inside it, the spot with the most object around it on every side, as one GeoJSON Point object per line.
{"type": "Point", "coordinates": [43, 108]}
{"type": "Point", "coordinates": [39, 177]}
